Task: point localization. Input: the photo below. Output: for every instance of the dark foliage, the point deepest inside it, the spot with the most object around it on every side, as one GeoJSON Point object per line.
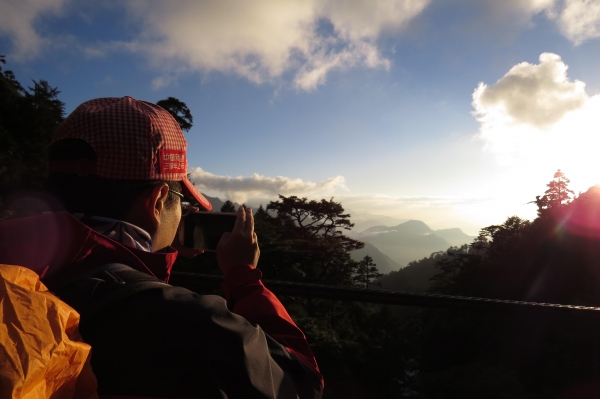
{"type": "Point", "coordinates": [180, 112]}
{"type": "Point", "coordinates": [228, 207]}
{"type": "Point", "coordinates": [28, 117]}
{"type": "Point", "coordinates": [366, 272]}
{"type": "Point", "coordinates": [555, 259]}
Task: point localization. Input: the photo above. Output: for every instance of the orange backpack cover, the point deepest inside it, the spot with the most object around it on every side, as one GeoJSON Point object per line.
{"type": "Point", "coordinates": [42, 354]}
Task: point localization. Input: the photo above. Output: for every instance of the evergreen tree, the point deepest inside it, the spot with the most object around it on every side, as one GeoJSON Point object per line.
{"type": "Point", "coordinates": [228, 207]}
{"type": "Point", "coordinates": [366, 272]}
{"type": "Point", "coordinates": [558, 192]}
{"type": "Point", "coordinates": [28, 118]}
{"type": "Point", "coordinates": [261, 211]}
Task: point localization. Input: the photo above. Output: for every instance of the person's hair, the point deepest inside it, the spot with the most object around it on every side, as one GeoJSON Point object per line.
{"type": "Point", "coordinates": [93, 195]}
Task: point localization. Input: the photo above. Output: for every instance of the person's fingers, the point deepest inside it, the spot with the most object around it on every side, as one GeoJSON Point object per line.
{"type": "Point", "coordinates": [249, 221]}
{"type": "Point", "coordinates": [254, 238]}
{"type": "Point", "coordinates": [240, 220]}
{"type": "Point", "coordinates": [223, 239]}
{"type": "Point", "coordinates": [189, 210]}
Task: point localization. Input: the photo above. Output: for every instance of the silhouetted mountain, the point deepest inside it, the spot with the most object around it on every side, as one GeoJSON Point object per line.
{"type": "Point", "coordinates": [384, 263]}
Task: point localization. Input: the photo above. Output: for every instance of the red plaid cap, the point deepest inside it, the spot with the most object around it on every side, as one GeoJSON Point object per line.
{"type": "Point", "coordinates": [133, 140]}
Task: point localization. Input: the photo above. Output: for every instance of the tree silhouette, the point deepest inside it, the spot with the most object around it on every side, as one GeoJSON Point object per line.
{"type": "Point", "coordinates": [228, 207]}
{"type": "Point", "coordinates": [366, 272]}
{"type": "Point", "coordinates": [322, 219]}
{"type": "Point", "coordinates": [180, 112]}
{"type": "Point", "coordinates": [558, 192]}
{"type": "Point", "coordinates": [28, 118]}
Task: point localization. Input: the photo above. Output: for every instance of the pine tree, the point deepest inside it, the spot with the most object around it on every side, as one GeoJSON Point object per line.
{"type": "Point", "coordinates": [228, 207]}
{"type": "Point", "coordinates": [28, 118]}
{"type": "Point", "coordinates": [558, 192]}
{"type": "Point", "coordinates": [366, 272]}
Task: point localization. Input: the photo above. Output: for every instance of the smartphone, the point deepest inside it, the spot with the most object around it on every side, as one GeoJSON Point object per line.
{"type": "Point", "coordinates": [203, 230]}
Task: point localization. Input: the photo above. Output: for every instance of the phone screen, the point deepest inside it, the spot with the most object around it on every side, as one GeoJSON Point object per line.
{"type": "Point", "coordinates": [203, 230]}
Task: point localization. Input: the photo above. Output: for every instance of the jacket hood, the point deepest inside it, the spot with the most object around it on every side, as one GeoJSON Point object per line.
{"type": "Point", "coordinates": [58, 247]}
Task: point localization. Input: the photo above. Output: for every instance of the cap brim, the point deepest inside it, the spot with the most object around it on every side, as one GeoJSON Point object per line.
{"type": "Point", "coordinates": [190, 191]}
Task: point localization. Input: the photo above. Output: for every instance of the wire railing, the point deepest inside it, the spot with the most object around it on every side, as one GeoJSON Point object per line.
{"type": "Point", "coordinates": [197, 282]}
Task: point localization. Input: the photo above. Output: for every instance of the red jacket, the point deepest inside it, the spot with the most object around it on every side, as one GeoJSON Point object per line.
{"type": "Point", "coordinates": [59, 248]}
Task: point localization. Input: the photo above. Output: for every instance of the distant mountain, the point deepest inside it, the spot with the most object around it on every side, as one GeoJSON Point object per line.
{"type": "Point", "coordinates": [362, 221]}
{"type": "Point", "coordinates": [455, 237]}
{"type": "Point", "coordinates": [406, 247]}
{"type": "Point", "coordinates": [384, 263]}
{"type": "Point", "coordinates": [217, 203]}
{"type": "Point", "coordinates": [412, 227]}
{"type": "Point", "coordinates": [411, 240]}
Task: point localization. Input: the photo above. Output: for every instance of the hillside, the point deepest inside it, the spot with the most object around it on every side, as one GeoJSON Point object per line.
{"type": "Point", "coordinates": [413, 278]}
{"type": "Point", "coordinates": [384, 263]}
{"type": "Point", "coordinates": [406, 247]}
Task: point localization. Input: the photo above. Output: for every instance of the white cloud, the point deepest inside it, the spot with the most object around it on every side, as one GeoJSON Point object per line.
{"type": "Point", "coordinates": [241, 188]}
{"type": "Point", "coordinates": [579, 20]}
{"type": "Point", "coordinates": [263, 40]}
{"type": "Point", "coordinates": [534, 120]}
{"type": "Point", "coordinates": [17, 21]}
{"type": "Point", "coordinates": [537, 95]}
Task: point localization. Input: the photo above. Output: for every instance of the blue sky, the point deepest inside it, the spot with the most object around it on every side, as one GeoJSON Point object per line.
{"type": "Point", "coordinates": [455, 112]}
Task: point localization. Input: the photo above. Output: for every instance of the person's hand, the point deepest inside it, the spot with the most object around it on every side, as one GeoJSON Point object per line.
{"type": "Point", "coordinates": [177, 242]}
{"type": "Point", "coordinates": [240, 247]}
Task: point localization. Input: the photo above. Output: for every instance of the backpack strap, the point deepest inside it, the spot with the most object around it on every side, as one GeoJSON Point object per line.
{"type": "Point", "coordinates": [105, 286]}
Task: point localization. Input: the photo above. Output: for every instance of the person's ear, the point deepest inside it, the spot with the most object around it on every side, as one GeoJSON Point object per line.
{"type": "Point", "coordinates": [155, 202]}
{"type": "Point", "coordinates": [147, 209]}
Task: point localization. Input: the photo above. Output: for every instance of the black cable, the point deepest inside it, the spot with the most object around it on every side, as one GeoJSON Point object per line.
{"type": "Point", "coordinates": [196, 281]}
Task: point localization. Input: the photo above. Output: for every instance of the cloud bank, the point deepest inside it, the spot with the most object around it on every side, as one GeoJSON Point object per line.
{"type": "Point", "coordinates": [241, 188]}
{"type": "Point", "coordinates": [263, 40]}
{"type": "Point", "coordinates": [268, 41]}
